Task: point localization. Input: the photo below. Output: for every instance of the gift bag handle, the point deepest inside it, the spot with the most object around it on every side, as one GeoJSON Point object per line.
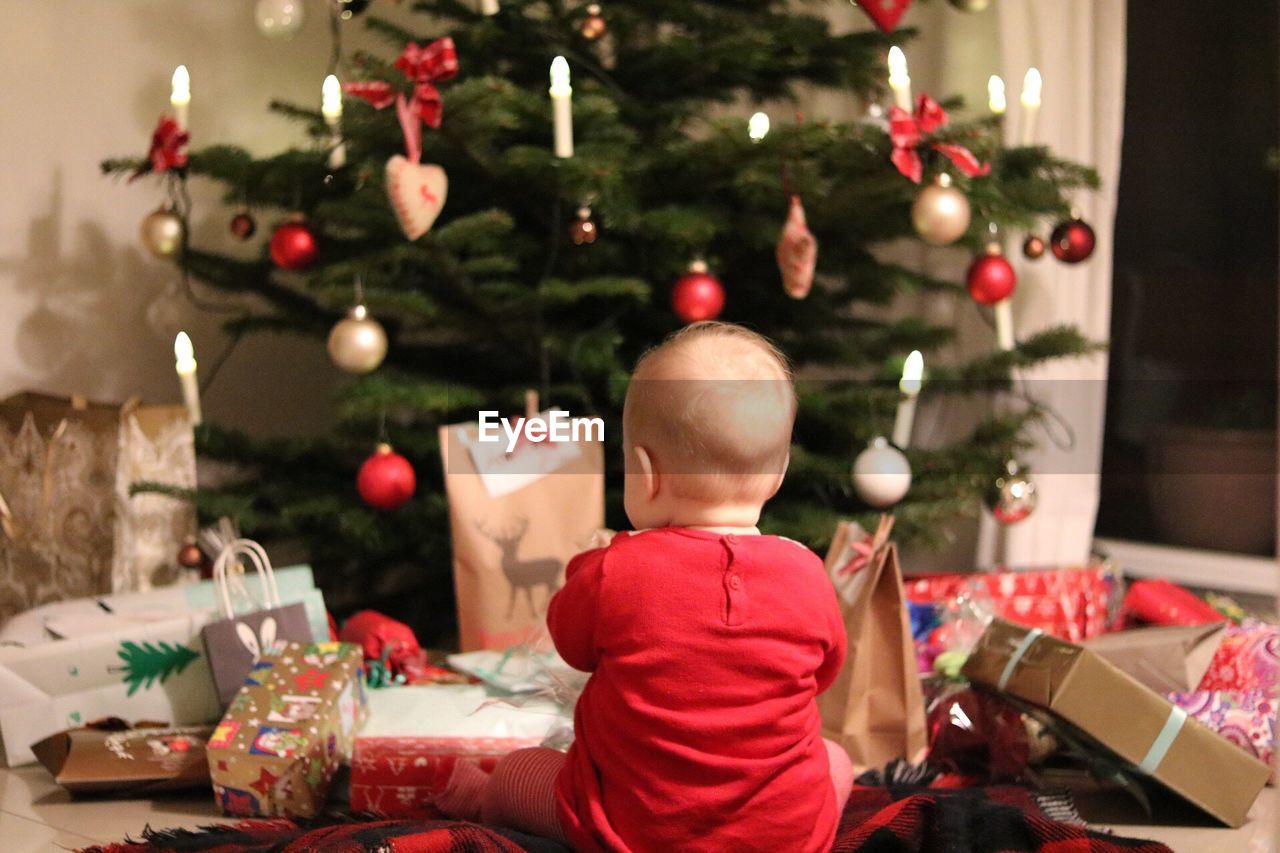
{"type": "Point", "coordinates": [262, 565]}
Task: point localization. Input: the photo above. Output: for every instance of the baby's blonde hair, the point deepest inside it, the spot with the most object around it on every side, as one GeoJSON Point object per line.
{"type": "Point", "coordinates": [714, 406]}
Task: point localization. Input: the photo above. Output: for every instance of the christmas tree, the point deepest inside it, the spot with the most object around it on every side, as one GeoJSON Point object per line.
{"type": "Point", "coordinates": [509, 290]}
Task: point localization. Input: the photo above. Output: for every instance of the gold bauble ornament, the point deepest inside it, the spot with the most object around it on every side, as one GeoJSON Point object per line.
{"type": "Point", "coordinates": [161, 232]}
{"type": "Point", "coordinates": [941, 212]}
{"type": "Point", "coordinates": [970, 5]}
{"type": "Point", "coordinates": [1012, 497]}
{"type": "Point", "coordinates": [357, 343]}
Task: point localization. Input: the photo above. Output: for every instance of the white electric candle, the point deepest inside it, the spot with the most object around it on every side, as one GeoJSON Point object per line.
{"type": "Point", "coordinates": [758, 127]}
{"type": "Point", "coordinates": [562, 106]}
{"type": "Point", "coordinates": [331, 109]}
{"type": "Point", "coordinates": [899, 79]}
{"type": "Point", "coordinates": [904, 420]}
{"type": "Point", "coordinates": [489, 7]}
{"type": "Point", "coordinates": [1004, 323]}
{"type": "Point", "coordinates": [180, 95]}
{"type": "Point", "coordinates": [995, 95]}
{"type": "Point", "coordinates": [1030, 104]}
{"type": "Point", "coordinates": [185, 354]}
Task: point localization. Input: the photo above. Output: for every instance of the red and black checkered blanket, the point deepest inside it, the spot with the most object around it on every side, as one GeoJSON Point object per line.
{"type": "Point", "coordinates": [877, 820]}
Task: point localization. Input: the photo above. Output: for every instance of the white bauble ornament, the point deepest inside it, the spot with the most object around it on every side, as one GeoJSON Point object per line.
{"type": "Point", "coordinates": [881, 474]}
{"type": "Point", "coordinates": [941, 212]}
{"type": "Point", "coordinates": [279, 18]}
{"type": "Point", "coordinates": [357, 343]}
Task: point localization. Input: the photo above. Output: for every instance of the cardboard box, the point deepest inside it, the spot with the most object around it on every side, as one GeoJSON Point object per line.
{"type": "Point", "coordinates": [290, 727]}
{"type": "Point", "coordinates": [416, 737]}
{"type": "Point", "coordinates": [1168, 660]}
{"type": "Point", "coordinates": [1130, 720]}
{"type": "Point", "coordinates": [126, 761]}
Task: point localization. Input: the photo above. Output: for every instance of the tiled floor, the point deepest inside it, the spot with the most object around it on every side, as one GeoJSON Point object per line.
{"type": "Point", "coordinates": [36, 816]}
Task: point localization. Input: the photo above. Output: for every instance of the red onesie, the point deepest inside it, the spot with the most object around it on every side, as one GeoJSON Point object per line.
{"type": "Point", "coordinates": [698, 728]}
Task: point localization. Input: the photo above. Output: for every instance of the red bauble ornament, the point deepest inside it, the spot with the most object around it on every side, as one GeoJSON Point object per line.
{"type": "Point", "coordinates": [294, 245]}
{"type": "Point", "coordinates": [386, 480]}
{"type": "Point", "coordinates": [593, 26]}
{"type": "Point", "coordinates": [1032, 247]}
{"type": "Point", "coordinates": [190, 556]}
{"type": "Point", "coordinates": [697, 295]}
{"type": "Point", "coordinates": [990, 277]}
{"type": "Point", "coordinates": [243, 225]}
{"type": "Point", "coordinates": [1072, 241]}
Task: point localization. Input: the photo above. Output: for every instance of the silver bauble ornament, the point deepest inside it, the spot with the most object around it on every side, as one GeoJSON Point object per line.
{"type": "Point", "coordinates": [279, 18]}
{"type": "Point", "coordinates": [357, 343]}
{"type": "Point", "coordinates": [970, 5]}
{"type": "Point", "coordinates": [940, 213]}
{"type": "Point", "coordinates": [881, 474]}
{"type": "Point", "coordinates": [1012, 497]}
{"type": "Point", "coordinates": [161, 232]}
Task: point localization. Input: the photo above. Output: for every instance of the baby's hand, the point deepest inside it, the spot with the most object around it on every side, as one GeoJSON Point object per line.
{"type": "Point", "coordinates": [601, 538]}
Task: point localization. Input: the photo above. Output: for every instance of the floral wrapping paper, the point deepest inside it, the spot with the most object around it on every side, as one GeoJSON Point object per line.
{"type": "Point", "coordinates": [1245, 718]}
{"type": "Point", "coordinates": [1248, 659]}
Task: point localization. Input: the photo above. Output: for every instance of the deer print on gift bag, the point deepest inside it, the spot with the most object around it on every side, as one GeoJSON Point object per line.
{"type": "Point", "coordinates": [524, 575]}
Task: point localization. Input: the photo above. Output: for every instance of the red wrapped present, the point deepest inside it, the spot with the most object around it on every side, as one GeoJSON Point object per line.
{"type": "Point", "coordinates": [1072, 604]}
{"type": "Point", "coordinates": [1159, 602]}
{"type": "Point", "coordinates": [1247, 660]}
{"type": "Point", "coordinates": [417, 736]}
{"type": "Point", "coordinates": [402, 777]}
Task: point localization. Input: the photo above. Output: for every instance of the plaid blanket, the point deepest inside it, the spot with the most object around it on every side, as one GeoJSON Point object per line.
{"type": "Point", "coordinates": [877, 820]}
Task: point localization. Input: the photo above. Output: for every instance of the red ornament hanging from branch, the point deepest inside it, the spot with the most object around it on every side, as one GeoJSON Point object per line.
{"type": "Point", "coordinates": [885, 13]}
{"type": "Point", "coordinates": [386, 480]}
{"type": "Point", "coordinates": [909, 131]}
{"type": "Point", "coordinates": [697, 295]}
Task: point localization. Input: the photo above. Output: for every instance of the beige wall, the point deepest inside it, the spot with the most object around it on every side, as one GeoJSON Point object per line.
{"type": "Point", "coordinates": [82, 307]}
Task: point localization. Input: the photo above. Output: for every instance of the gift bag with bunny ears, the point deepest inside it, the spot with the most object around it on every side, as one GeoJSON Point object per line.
{"type": "Point", "coordinates": [236, 642]}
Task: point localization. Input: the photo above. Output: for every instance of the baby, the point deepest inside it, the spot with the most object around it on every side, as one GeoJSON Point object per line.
{"type": "Point", "coordinates": [707, 641]}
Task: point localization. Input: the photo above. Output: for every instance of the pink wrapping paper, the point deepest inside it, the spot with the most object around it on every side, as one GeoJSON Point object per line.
{"type": "Point", "coordinates": [1247, 719]}
{"type": "Point", "coordinates": [1247, 660]}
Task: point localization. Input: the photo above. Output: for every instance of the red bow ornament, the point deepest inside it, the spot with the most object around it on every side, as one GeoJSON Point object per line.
{"type": "Point", "coordinates": [424, 66]}
{"type": "Point", "coordinates": [907, 132]}
{"type": "Point", "coordinates": [168, 148]}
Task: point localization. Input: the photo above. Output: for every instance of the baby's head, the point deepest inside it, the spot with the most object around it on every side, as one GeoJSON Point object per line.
{"type": "Point", "coordinates": [707, 428]}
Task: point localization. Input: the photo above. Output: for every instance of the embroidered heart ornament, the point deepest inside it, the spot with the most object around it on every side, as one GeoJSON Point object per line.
{"type": "Point", "coordinates": [886, 13]}
{"type": "Point", "coordinates": [417, 193]}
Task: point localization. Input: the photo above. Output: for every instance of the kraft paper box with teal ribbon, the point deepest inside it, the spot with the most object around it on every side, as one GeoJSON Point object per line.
{"type": "Point", "coordinates": [1122, 715]}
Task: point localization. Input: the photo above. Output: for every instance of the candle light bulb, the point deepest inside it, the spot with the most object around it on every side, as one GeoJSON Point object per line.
{"type": "Point", "coordinates": [560, 77]}
{"type": "Point", "coordinates": [899, 79]}
{"type": "Point", "coordinates": [912, 374]}
{"type": "Point", "coordinates": [995, 95]}
{"type": "Point", "coordinates": [758, 127]}
{"type": "Point", "coordinates": [181, 92]}
{"type": "Point", "coordinates": [1031, 88]}
{"type": "Point", "coordinates": [331, 99]}
{"type": "Point", "coordinates": [185, 353]}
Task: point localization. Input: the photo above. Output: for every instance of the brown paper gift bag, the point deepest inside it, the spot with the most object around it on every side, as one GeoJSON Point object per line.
{"type": "Point", "coordinates": [875, 708]}
{"type": "Point", "coordinates": [68, 526]}
{"type": "Point", "coordinates": [516, 519]}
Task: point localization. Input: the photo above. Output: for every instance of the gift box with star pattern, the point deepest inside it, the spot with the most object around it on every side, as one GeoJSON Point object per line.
{"type": "Point", "coordinates": [287, 731]}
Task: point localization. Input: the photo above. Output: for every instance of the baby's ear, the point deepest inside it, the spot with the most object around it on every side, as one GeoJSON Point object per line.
{"type": "Point", "coordinates": [782, 475]}
{"type": "Point", "coordinates": [647, 471]}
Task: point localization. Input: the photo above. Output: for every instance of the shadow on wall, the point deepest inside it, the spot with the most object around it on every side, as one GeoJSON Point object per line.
{"type": "Point", "coordinates": [88, 311]}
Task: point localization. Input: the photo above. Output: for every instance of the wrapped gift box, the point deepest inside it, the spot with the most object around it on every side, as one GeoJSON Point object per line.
{"type": "Point", "coordinates": [1166, 659]}
{"type": "Point", "coordinates": [290, 727]}
{"type": "Point", "coordinates": [1248, 659]}
{"type": "Point", "coordinates": [1071, 603]}
{"type": "Point", "coordinates": [1114, 710]}
{"type": "Point", "coordinates": [1245, 718]}
{"type": "Point", "coordinates": [110, 757]}
{"type": "Point", "coordinates": [416, 737]}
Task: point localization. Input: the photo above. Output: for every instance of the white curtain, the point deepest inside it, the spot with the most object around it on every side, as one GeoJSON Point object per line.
{"type": "Point", "coordinates": [1079, 48]}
